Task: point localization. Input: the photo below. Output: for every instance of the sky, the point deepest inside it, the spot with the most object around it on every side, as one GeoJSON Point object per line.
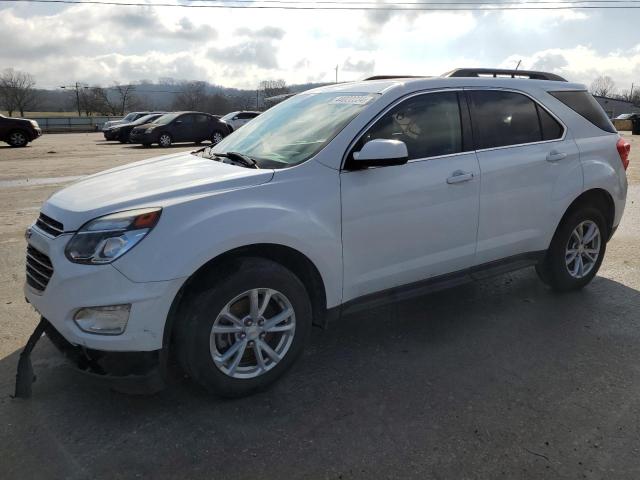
{"type": "Point", "coordinates": [100, 45]}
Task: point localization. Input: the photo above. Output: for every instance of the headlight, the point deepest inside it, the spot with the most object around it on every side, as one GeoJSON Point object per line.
{"type": "Point", "coordinates": [149, 130]}
{"type": "Point", "coordinates": [34, 123]}
{"type": "Point", "coordinates": [107, 238]}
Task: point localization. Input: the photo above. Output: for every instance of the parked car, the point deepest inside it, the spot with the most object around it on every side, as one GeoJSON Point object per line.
{"type": "Point", "coordinates": [338, 199]}
{"type": "Point", "coordinates": [18, 132]}
{"type": "Point", "coordinates": [180, 127]}
{"type": "Point", "coordinates": [129, 117]}
{"type": "Point", "coordinates": [627, 116]}
{"type": "Point", "coordinates": [122, 131]}
{"type": "Point", "coordinates": [237, 119]}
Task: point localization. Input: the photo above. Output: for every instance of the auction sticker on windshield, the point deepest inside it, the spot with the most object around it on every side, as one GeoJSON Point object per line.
{"type": "Point", "coordinates": [352, 99]}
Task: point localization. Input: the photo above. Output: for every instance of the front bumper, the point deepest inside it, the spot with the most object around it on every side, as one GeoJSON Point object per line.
{"type": "Point", "coordinates": [73, 286]}
{"type": "Point", "coordinates": [142, 137]}
{"type": "Point", "coordinates": [109, 135]}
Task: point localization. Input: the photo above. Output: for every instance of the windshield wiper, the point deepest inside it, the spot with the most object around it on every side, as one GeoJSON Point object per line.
{"type": "Point", "coordinates": [235, 157]}
{"type": "Point", "coordinates": [245, 160]}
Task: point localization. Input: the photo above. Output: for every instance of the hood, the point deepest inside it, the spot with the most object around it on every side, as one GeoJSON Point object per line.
{"type": "Point", "coordinates": [142, 127]}
{"type": "Point", "coordinates": [157, 182]}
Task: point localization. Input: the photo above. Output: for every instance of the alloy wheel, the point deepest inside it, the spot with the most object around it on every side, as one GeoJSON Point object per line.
{"type": "Point", "coordinates": [217, 138]}
{"type": "Point", "coordinates": [252, 333]}
{"type": "Point", "coordinates": [583, 249]}
{"type": "Point", "coordinates": [164, 140]}
{"type": "Point", "coordinates": [17, 139]}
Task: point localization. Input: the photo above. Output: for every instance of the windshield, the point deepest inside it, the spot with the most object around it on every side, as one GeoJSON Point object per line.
{"type": "Point", "coordinates": [164, 119]}
{"type": "Point", "coordinates": [146, 119]}
{"type": "Point", "coordinates": [130, 117]}
{"type": "Point", "coordinates": [229, 116]}
{"type": "Point", "coordinates": [296, 129]}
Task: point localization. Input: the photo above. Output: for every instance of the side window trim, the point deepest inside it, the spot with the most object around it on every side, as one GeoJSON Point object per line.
{"type": "Point", "coordinates": [537, 104]}
{"type": "Point", "coordinates": [459, 90]}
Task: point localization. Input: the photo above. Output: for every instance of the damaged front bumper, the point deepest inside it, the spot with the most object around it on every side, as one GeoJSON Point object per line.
{"type": "Point", "coordinates": [127, 372]}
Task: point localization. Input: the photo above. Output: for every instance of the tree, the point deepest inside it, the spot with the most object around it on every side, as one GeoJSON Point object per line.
{"type": "Point", "coordinates": [17, 92]}
{"type": "Point", "coordinates": [193, 96]}
{"type": "Point", "coordinates": [603, 86]}
{"type": "Point", "coordinates": [126, 97]}
{"type": "Point", "coordinates": [272, 88]}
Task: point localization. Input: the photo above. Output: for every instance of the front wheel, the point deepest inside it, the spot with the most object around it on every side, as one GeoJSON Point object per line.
{"type": "Point", "coordinates": [164, 140]}
{"type": "Point", "coordinates": [576, 251]}
{"type": "Point", "coordinates": [17, 139]}
{"type": "Point", "coordinates": [217, 137]}
{"type": "Point", "coordinates": [245, 330]}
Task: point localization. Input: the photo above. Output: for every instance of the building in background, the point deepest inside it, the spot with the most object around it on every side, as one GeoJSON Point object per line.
{"type": "Point", "coordinates": [615, 107]}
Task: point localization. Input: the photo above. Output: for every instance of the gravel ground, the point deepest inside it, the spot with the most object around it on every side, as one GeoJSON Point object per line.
{"type": "Point", "coordinates": [499, 379]}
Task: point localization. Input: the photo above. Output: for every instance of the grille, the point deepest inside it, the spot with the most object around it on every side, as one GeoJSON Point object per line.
{"type": "Point", "coordinates": [39, 269]}
{"type": "Point", "coordinates": [49, 225]}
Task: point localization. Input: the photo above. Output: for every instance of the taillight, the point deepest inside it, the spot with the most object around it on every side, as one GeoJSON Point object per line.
{"type": "Point", "coordinates": [624, 148]}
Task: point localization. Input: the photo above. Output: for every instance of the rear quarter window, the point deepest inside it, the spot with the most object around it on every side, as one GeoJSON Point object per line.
{"type": "Point", "coordinates": [583, 103]}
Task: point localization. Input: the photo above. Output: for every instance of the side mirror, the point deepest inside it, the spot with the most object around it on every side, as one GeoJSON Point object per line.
{"type": "Point", "coordinates": [178, 122]}
{"type": "Point", "coordinates": [381, 153]}
{"type": "Point", "coordinates": [234, 118]}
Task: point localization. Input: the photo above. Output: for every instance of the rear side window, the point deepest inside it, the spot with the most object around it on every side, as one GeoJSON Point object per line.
{"type": "Point", "coordinates": [428, 124]}
{"type": "Point", "coordinates": [551, 128]}
{"type": "Point", "coordinates": [583, 103]}
{"type": "Point", "coordinates": [507, 118]}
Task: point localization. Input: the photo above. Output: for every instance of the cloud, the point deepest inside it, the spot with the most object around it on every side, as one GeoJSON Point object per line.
{"type": "Point", "coordinates": [254, 52]}
{"type": "Point", "coordinates": [360, 66]}
{"type": "Point", "coordinates": [273, 33]}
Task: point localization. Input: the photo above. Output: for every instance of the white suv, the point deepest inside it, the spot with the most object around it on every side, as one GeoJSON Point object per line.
{"type": "Point", "coordinates": [337, 199]}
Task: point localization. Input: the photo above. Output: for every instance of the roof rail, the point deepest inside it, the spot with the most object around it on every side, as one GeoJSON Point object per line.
{"type": "Point", "coordinates": [497, 72]}
{"type": "Point", "coordinates": [392, 77]}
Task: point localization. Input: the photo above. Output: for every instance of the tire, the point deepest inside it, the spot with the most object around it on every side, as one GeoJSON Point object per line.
{"type": "Point", "coordinates": [569, 263]}
{"type": "Point", "coordinates": [217, 136]}
{"type": "Point", "coordinates": [18, 139]}
{"type": "Point", "coordinates": [202, 352]}
{"type": "Point", "coordinates": [164, 140]}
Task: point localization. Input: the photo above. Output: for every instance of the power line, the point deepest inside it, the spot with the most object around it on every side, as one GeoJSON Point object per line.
{"type": "Point", "coordinates": [488, 6]}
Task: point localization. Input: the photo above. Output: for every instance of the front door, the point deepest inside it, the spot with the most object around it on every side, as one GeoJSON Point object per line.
{"type": "Point", "coordinates": [402, 224]}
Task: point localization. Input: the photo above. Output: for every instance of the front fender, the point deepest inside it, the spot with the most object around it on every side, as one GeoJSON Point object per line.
{"type": "Point", "coordinates": [299, 208]}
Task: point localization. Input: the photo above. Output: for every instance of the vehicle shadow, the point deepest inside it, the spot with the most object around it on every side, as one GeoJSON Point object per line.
{"type": "Point", "coordinates": [496, 379]}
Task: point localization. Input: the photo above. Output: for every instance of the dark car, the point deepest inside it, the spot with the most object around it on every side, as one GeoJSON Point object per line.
{"type": "Point", "coordinates": [122, 131]}
{"type": "Point", "coordinates": [18, 132]}
{"type": "Point", "coordinates": [180, 127]}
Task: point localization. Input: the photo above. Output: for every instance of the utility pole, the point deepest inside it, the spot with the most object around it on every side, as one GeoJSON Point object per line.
{"type": "Point", "coordinates": [77, 88]}
{"type": "Point", "coordinates": [336, 73]}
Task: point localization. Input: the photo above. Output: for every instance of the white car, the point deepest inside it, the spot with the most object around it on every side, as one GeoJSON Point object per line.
{"type": "Point", "coordinates": [335, 200]}
{"type": "Point", "coordinates": [237, 119]}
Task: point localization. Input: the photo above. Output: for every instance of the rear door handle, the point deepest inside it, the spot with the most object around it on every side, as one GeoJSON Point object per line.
{"type": "Point", "coordinates": [554, 156]}
{"type": "Point", "coordinates": [459, 176]}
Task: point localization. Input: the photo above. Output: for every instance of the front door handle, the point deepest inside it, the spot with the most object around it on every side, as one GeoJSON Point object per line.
{"type": "Point", "coordinates": [554, 156]}
{"type": "Point", "coordinates": [459, 176]}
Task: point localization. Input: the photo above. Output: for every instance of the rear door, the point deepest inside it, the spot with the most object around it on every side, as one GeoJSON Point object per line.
{"type": "Point", "coordinates": [530, 169]}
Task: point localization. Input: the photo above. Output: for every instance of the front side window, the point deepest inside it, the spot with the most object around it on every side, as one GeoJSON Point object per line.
{"type": "Point", "coordinates": [428, 124]}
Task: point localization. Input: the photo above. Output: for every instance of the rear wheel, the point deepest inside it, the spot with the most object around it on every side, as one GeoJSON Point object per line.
{"type": "Point", "coordinates": [244, 331]}
{"type": "Point", "coordinates": [576, 251]}
{"type": "Point", "coordinates": [18, 138]}
{"type": "Point", "coordinates": [164, 140]}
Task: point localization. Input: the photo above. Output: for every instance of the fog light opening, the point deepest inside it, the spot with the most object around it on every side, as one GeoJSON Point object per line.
{"type": "Point", "coordinates": [107, 320]}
